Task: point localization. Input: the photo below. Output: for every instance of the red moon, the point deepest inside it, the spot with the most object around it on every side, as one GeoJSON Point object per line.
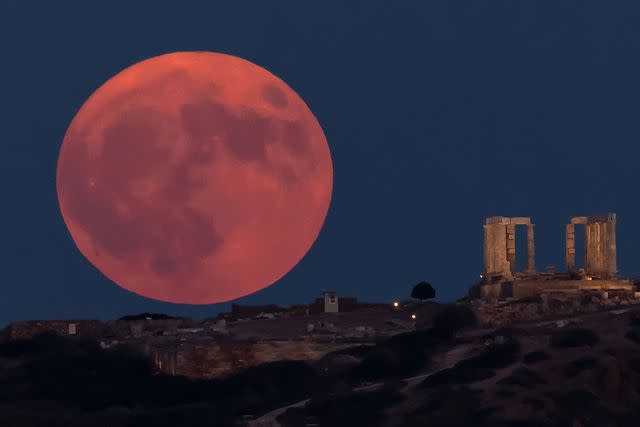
{"type": "Point", "coordinates": [194, 177]}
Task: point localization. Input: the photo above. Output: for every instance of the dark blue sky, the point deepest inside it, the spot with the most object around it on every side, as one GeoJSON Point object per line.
{"type": "Point", "coordinates": [437, 114]}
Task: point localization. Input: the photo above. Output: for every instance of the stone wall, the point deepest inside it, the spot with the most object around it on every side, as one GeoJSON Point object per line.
{"type": "Point", "coordinates": [522, 288]}
{"type": "Point", "coordinates": [215, 357]}
{"type": "Point", "coordinates": [525, 288]}
{"type": "Point", "coordinates": [549, 305]}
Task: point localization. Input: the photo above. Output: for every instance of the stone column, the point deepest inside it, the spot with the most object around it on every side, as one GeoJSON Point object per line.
{"type": "Point", "coordinates": [590, 260]}
{"type": "Point", "coordinates": [511, 247]}
{"type": "Point", "coordinates": [495, 249]}
{"type": "Point", "coordinates": [599, 231]}
{"type": "Point", "coordinates": [486, 250]}
{"type": "Point", "coordinates": [587, 245]}
{"type": "Point", "coordinates": [610, 262]}
{"type": "Point", "coordinates": [597, 259]}
{"type": "Point", "coordinates": [531, 248]}
{"type": "Point", "coordinates": [571, 247]}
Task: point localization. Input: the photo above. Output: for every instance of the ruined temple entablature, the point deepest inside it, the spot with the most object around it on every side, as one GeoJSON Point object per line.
{"type": "Point", "coordinates": [600, 272]}
{"type": "Point", "coordinates": [599, 246]}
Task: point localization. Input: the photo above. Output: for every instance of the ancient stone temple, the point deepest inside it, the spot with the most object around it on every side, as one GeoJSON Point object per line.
{"type": "Point", "coordinates": [501, 280]}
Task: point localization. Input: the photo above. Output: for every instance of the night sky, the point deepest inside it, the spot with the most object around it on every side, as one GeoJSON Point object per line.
{"type": "Point", "coordinates": [437, 115]}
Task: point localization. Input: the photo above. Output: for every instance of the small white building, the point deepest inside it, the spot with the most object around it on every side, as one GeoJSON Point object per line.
{"type": "Point", "coordinates": [330, 302]}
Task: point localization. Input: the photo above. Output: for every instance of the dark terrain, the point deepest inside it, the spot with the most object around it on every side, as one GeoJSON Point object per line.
{"type": "Point", "coordinates": [576, 372]}
{"type": "Point", "coordinates": [50, 380]}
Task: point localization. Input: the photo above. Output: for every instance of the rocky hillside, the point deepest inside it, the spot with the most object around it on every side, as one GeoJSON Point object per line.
{"type": "Point", "coordinates": [577, 372]}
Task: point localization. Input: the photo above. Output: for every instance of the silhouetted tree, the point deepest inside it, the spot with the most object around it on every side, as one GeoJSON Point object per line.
{"type": "Point", "coordinates": [423, 291]}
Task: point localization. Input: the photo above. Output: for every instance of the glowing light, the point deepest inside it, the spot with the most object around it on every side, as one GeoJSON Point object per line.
{"type": "Point", "coordinates": [413, 317]}
{"type": "Point", "coordinates": [396, 304]}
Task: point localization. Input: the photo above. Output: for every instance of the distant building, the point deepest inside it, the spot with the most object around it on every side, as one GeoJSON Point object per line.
{"type": "Point", "coordinates": [331, 303]}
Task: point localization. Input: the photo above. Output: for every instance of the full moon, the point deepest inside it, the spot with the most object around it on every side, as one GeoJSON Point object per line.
{"type": "Point", "coordinates": [194, 177]}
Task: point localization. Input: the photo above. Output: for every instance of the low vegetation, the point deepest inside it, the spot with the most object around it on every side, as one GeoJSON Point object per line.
{"type": "Point", "coordinates": [574, 337]}
{"type": "Point", "coordinates": [119, 386]}
{"type": "Point", "coordinates": [633, 335]}
{"type": "Point", "coordinates": [451, 407]}
{"type": "Point", "coordinates": [577, 366]}
{"type": "Point", "coordinates": [350, 409]}
{"type": "Point", "coordinates": [400, 356]}
{"type": "Point", "coordinates": [534, 357]}
{"type": "Point", "coordinates": [453, 318]}
{"type": "Point", "coordinates": [523, 377]}
{"type": "Point", "coordinates": [498, 354]}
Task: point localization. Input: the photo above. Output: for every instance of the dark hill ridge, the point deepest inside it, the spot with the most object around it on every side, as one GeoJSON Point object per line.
{"type": "Point", "coordinates": [52, 380]}
{"type": "Point", "coordinates": [577, 371]}
{"type": "Point", "coordinates": [148, 316]}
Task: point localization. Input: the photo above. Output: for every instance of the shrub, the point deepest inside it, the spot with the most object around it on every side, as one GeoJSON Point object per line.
{"type": "Point", "coordinates": [453, 318]}
{"type": "Point", "coordinates": [398, 356]}
{"type": "Point", "coordinates": [272, 384]}
{"type": "Point", "coordinates": [378, 364]}
{"type": "Point", "coordinates": [293, 417]}
{"type": "Point", "coordinates": [459, 374]}
{"type": "Point", "coordinates": [633, 335]}
{"type": "Point", "coordinates": [635, 364]}
{"type": "Point", "coordinates": [505, 392]}
{"type": "Point", "coordinates": [574, 337]}
{"type": "Point", "coordinates": [357, 409]}
{"type": "Point", "coordinates": [426, 340]}
{"type": "Point", "coordinates": [451, 407]}
{"type": "Point", "coordinates": [536, 404]}
{"type": "Point", "coordinates": [507, 331]}
{"type": "Point", "coordinates": [497, 355]}
{"type": "Point", "coordinates": [534, 357]}
{"type": "Point", "coordinates": [356, 351]}
{"type": "Point", "coordinates": [523, 378]}
{"type": "Point", "coordinates": [577, 366]}
{"type": "Point", "coordinates": [573, 398]}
